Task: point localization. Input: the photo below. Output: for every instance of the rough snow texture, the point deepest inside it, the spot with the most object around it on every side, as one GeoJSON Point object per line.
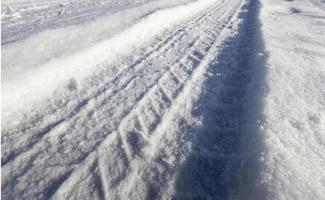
{"type": "Point", "coordinates": [163, 99]}
{"type": "Point", "coordinates": [294, 129]}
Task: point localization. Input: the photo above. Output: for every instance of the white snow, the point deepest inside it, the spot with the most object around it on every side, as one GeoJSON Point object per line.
{"type": "Point", "coordinates": [36, 76]}
{"type": "Point", "coordinates": [163, 99]}
{"type": "Point", "coordinates": [294, 128]}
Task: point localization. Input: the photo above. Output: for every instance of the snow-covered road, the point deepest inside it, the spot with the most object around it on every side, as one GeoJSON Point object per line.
{"type": "Point", "coordinates": [159, 99]}
{"type": "Point", "coordinates": [108, 126]}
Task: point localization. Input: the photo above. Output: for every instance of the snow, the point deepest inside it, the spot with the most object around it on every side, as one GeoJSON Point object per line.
{"type": "Point", "coordinates": [21, 19]}
{"type": "Point", "coordinates": [32, 76]}
{"type": "Point", "coordinates": [163, 99]}
{"type": "Point", "coordinates": [294, 156]}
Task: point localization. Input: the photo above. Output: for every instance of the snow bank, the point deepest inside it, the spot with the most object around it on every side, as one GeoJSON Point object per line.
{"type": "Point", "coordinates": [53, 44]}
{"type": "Point", "coordinates": [294, 157]}
{"type": "Point", "coordinates": [26, 84]}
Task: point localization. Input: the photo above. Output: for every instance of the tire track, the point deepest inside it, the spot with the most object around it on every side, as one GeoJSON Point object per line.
{"type": "Point", "coordinates": [134, 133]}
{"type": "Point", "coordinates": [77, 152]}
{"type": "Point", "coordinates": [224, 158]}
{"type": "Point", "coordinates": [99, 93]}
{"type": "Point", "coordinates": [157, 164]}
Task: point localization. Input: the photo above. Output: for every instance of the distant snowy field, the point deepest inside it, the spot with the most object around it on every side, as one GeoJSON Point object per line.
{"type": "Point", "coordinates": [21, 18]}
{"type": "Point", "coordinates": [163, 99]}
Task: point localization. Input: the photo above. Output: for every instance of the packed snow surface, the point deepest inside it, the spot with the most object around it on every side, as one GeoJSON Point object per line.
{"type": "Point", "coordinates": [163, 99]}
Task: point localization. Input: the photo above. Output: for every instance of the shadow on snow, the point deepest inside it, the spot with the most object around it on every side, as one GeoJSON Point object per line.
{"type": "Point", "coordinates": [224, 158]}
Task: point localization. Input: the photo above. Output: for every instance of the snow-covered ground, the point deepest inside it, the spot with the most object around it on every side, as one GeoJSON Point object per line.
{"type": "Point", "coordinates": [22, 18]}
{"type": "Point", "coordinates": [294, 127]}
{"type": "Point", "coordinates": [163, 99]}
